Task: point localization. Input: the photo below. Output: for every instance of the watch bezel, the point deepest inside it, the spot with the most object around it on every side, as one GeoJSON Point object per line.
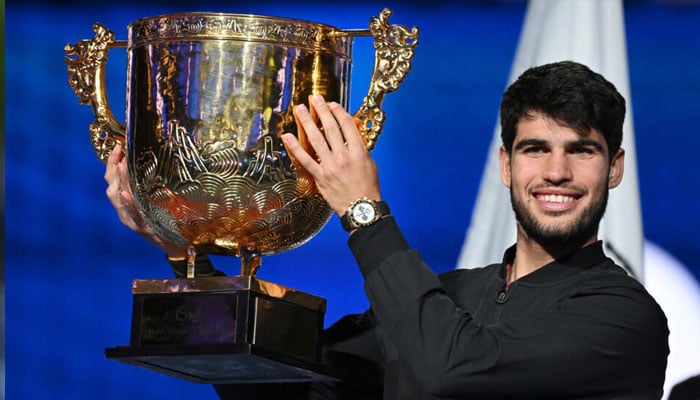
{"type": "Point", "coordinates": [351, 212]}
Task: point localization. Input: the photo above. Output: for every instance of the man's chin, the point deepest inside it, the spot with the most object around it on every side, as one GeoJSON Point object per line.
{"type": "Point", "coordinates": [562, 236]}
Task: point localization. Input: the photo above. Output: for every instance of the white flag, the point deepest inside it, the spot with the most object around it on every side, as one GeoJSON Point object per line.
{"type": "Point", "coordinates": [591, 32]}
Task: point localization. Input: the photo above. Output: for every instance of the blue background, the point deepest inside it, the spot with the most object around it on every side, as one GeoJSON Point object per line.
{"type": "Point", "coordinates": [69, 262]}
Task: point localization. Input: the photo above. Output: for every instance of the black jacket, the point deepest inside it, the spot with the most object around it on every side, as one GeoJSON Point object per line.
{"type": "Point", "coordinates": [577, 328]}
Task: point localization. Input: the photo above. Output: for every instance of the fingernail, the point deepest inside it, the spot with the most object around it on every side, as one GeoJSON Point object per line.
{"type": "Point", "coordinates": [302, 110]}
{"type": "Point", "coordinates": [317, 99]}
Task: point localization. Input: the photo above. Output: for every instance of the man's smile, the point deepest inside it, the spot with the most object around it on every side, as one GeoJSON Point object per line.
{"type": "Point", "coordinates": [556, 200]}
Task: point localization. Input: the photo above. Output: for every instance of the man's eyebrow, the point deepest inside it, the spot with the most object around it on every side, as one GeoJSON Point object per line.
{"type": "Point", "coordinates": [586, 142]}
{"type": "Point", "coordinates": [529, 142]}
{"type": "Point", "coordinates": [582, 142]}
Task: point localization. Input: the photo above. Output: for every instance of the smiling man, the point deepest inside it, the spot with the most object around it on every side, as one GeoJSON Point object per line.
{"type": "Point", "coordinates": [562, 130]}
{"type": "Point", "coordinates": [555, 319]}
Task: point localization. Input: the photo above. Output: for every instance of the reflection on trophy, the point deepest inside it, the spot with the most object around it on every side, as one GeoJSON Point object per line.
{"type": "Point", "coordinates": [208, 98]}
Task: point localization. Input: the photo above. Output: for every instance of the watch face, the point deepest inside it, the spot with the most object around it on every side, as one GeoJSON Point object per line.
{"type": "Point", "coordinates": [363, 213]}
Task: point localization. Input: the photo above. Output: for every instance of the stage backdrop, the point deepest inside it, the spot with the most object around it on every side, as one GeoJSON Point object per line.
{"type": "Point", "coordinates": [69, 262]}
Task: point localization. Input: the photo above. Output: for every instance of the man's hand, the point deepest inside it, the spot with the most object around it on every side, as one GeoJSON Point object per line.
{"type": "Point", "coordinates": [119, 194]}
{"type": "Point", "coordinates": [343, 169]}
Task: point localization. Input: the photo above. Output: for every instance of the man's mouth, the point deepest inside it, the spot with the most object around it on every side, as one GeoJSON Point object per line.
{"type": "Point", "coordinates": [554, 198]}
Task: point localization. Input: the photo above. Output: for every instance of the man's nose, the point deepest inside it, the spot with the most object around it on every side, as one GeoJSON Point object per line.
{"type": "Point", "coordinates": [557, 169]}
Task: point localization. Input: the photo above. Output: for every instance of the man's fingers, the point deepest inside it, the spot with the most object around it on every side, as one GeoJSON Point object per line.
{"type": "Point", "coordinates": [313, 134]}
{"type": "Point", "coordinates": [118, 191]}
{"type": "Point", "coordinates": [331, 129]}
{"type": "Point", "coordinates": [111, 164]}
{"type": "Point", "coordinates": [121, 167]}
{"type": "Point", "coordinates": [302, 157]}
{"type": "Point", "coordinates": [348, 125]}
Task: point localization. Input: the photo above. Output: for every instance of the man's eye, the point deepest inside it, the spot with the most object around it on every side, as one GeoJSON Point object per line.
{"type": "Point", "coordinates": [582, 150]}
{"type": "Point", "coordinates": [534, 150]}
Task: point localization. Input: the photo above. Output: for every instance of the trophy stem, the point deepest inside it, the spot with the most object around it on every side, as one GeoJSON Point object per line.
{"type": "Point", "coordinates": [250, 261]}
{"type": "Point", "coordinates": [191, 254]}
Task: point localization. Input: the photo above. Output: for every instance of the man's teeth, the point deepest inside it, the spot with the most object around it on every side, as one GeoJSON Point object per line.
{"type": "Point", "coordinates": [555, 198]}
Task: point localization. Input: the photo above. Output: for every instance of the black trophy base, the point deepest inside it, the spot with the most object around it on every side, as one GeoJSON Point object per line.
{"type": "Point", "coordinates": [219, 364]}
{"type": "Point", "coordinates": [219, 330]}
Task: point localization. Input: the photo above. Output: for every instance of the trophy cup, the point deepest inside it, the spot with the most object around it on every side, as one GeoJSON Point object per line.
{"type": "Point", "coordinates": [208, 97]}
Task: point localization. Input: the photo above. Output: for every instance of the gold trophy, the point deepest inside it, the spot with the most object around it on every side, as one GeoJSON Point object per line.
{"type": "Point", "coordinates": [208, 97]}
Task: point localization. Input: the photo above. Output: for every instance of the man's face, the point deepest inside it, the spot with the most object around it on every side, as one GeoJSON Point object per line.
{"type": "Point", "coordinates": [558, 181]}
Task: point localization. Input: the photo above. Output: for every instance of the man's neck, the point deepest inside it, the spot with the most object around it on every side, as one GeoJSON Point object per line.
{"type": "Point", "coordinates": [531, 255]}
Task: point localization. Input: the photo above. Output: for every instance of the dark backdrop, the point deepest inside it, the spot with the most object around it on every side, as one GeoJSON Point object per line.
{"type": "Point", "coordinates": [69, 263]}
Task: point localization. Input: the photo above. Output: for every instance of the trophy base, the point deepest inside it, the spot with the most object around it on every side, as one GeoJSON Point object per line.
{"type": "Point", "coordinates": [219, 364]}
{"type": "Point", "coordinates": [220, 330]}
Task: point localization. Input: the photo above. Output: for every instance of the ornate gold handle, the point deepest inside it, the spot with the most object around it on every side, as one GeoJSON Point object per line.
{"type": "Point", "coordinates": [86, 75]}
{"type": "Point", "coordinates": [394, 50]}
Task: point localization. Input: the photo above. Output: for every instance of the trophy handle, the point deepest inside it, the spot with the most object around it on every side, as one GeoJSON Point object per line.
{"type": "Point", "coordinates": [394, 50]}
{"type": "Point", "coordinates": [86, 75]}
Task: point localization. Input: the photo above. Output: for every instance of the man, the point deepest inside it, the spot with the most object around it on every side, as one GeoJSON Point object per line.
{"type": "Point", "coordinates": [556, 319]}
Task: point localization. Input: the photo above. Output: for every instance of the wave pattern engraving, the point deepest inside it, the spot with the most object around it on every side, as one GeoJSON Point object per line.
{"type": "Point", "coordinates": [220, 199]}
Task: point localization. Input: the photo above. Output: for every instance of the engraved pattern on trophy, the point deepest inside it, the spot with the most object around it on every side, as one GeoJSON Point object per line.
{"type": "Point", "coordinates": [211, 171]}
{"type": "Point", "coordinates": [199, 26]}
{"type": "Point", "coordinates": [208, 96]}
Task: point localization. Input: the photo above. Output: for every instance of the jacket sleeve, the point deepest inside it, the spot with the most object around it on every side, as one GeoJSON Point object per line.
{"type": "Point", "coordinates": [603, 339]}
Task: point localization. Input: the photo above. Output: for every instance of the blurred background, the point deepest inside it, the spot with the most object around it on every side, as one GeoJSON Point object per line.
{"type": "Point", "coordinates": [70, 263]}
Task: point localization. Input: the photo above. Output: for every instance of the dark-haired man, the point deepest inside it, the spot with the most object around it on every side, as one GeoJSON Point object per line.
{"type": "Point", "coordinates": [556, 319]}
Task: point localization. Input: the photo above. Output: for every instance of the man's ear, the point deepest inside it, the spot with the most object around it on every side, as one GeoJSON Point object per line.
{"type": "Point", "coordinates": [617, 168]}
{"type": "Point", "coordinates": [504, 161]}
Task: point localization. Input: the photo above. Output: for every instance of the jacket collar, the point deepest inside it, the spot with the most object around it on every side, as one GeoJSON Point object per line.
{"type": "Point", "coordinates": [561, 268]}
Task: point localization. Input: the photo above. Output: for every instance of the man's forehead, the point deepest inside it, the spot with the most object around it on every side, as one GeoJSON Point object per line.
{"type": "Point", "coordinates": [539, 123]}
{"type": "Point", "coordinates": [545, 129]}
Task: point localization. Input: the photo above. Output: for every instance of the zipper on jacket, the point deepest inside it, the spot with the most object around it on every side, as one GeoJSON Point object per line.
{"type": "Point", "coordinates": [502, 296]}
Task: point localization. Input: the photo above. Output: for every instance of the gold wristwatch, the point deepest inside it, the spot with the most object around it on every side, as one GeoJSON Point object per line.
{"type": "Point", "coordinates": [363, 212]}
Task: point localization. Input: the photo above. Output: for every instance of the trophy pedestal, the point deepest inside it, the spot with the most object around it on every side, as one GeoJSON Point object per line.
{"type": "Point", "coordinates": [219, 330]}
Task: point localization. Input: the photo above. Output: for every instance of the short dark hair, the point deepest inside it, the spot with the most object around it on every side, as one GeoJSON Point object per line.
{"type": "Point", "coordinates": [571, 94]}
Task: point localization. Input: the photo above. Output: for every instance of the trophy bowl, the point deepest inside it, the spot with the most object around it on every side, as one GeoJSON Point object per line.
{"type": "Point", "coordinates": [208, 96]}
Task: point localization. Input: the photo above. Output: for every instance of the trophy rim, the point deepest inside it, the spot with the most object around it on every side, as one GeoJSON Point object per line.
{"type": "Point", "coordinates": [194, 26]}
{"type": "Point", "coordinates": [232, 15]}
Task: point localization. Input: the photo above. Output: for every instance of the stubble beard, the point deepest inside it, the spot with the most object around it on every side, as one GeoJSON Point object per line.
{"type": "Point", "coordinates": [572, 233]}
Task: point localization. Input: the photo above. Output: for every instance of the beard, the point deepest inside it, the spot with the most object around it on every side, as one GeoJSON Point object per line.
{"type": "Point", "coordinates": [580, 230]}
